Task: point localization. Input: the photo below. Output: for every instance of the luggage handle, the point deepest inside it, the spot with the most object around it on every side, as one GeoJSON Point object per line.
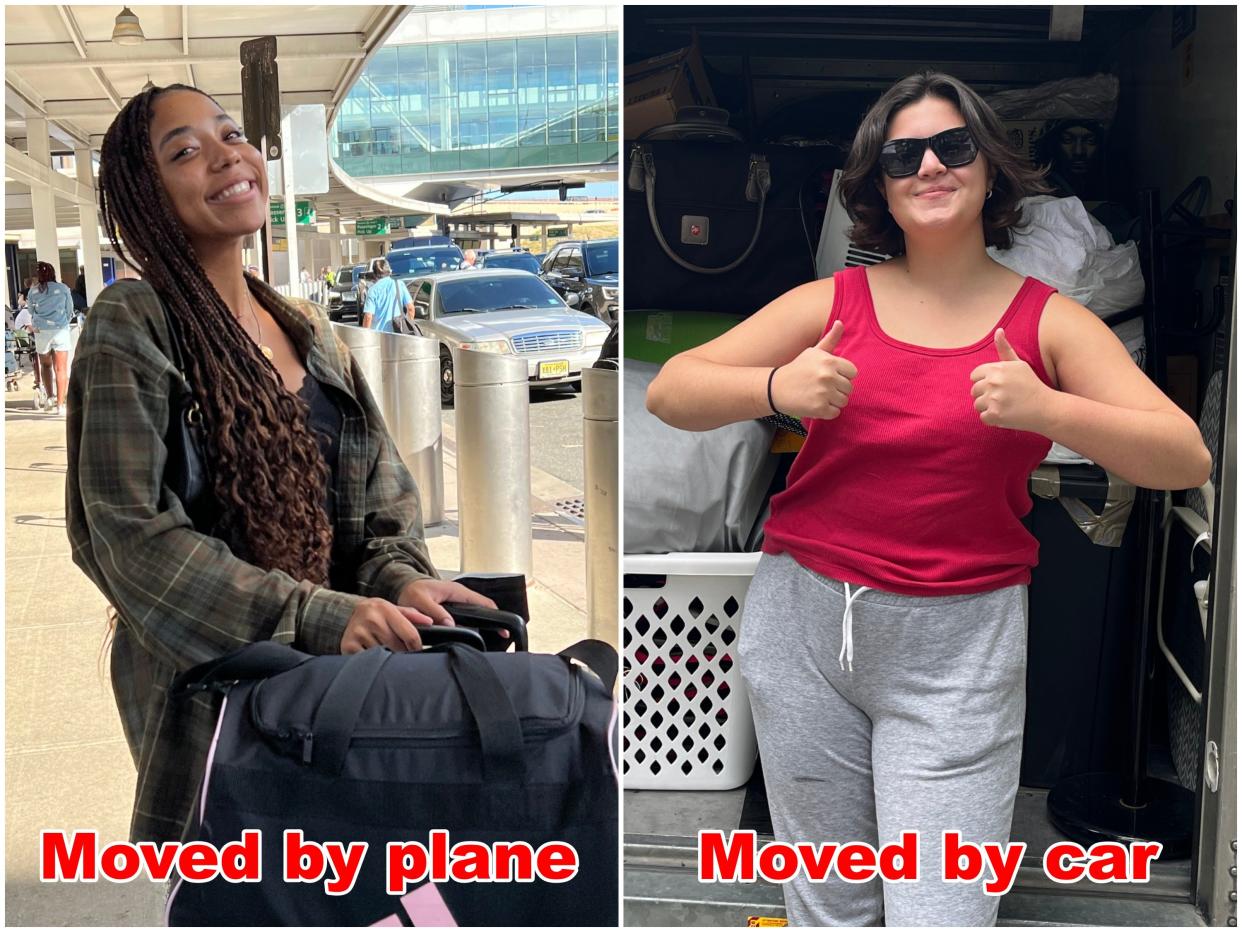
{"type": "Point", "coordinates": [490, 619]}
{"type": "Point", "coordinates": [500, 729]}
{"type": "Point", "coordinates": [442, 635]}
{"type": "Point", "coordinates": [253, 662]}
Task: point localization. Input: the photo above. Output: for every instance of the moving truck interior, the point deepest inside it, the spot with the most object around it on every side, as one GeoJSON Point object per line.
{"type": "Point", "coordinates": [1131, 684]}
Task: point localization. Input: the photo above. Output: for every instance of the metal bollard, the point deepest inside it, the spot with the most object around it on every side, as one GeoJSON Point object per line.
{"type": "Point", "coordinates": [364, 345]}
{"type": "Point", "coordinates": [411, 404]}
{"type": "Point", "coordinates": [493, 463]}
{"type": "Point", "coordinates": [600, 468]}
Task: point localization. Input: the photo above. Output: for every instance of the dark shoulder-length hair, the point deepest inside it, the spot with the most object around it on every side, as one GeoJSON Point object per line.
{"type": "Point", "coordinates": [874, 227]}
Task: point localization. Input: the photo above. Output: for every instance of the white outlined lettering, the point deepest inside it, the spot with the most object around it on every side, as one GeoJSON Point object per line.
{"type": "Point", "coordinates": [1067, 862]}
{"type": "Point", "coordinates": [75, 857]}
{"type": "Point", "coordinates": [438, 861]}
{"type": "Point", "coordinates": [968, 862]}
{"type": "Point", "coordinates": [737, 859]}
{"type": "Point", "coordinates": [310, 861]}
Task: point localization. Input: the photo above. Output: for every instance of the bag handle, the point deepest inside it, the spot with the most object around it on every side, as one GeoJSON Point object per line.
{"type": "Point", "coordinates": [500, 730]}
{"type": "Point", "coordinates": [252, 662]}
{"type": "Point", "coordinates": [643, 176]}
{"type": "Point", "coordinates": [332, 728]}
{"type": "Point", "coordinates": [598, 656]}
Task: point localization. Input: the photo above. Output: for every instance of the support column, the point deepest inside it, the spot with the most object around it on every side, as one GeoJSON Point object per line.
{"type": "Point", "coordinates": [335, 246]}
{"type": "Point", "coordinates": [291, 206]}
{"type": "Point", "coordinates": [88, 219]}
{"type": "Point", "coordinates": [42, 197]}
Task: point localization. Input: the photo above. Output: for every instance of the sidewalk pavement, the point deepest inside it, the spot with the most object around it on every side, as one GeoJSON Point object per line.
{"type": "Point", "coordinates": [67, 764]}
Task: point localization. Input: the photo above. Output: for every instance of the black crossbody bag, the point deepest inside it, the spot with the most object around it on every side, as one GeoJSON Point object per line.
{"type": "Point", "coordinates": [185, 471]}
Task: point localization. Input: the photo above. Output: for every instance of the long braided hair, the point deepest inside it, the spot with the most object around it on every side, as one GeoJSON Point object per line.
{"type": "Point", "coordinates": [264, 464]}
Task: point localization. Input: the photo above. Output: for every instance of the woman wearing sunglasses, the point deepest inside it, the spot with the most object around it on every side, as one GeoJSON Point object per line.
{"type": "Point", "coordinates": [884, 643]}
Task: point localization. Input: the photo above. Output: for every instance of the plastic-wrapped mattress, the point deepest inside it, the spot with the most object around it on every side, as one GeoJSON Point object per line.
{"type": "Point", "coordinates": [690, 491]}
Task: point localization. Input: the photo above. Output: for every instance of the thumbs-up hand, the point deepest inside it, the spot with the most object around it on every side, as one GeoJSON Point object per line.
{"type": "Point", "coordinates": [1008, 393]}
{"type": "Point", "coordinates": [816, 383]}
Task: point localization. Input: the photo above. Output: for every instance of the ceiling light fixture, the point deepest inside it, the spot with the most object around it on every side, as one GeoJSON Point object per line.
{"type": "Point", "coordinates": [127, 31]}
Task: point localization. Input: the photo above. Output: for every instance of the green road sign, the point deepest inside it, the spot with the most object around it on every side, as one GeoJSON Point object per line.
{"type": "Point", "coordinates": [305, 209]}
{"type": "Point", "coordinates": [373, 227]}
{"type": "Point", "coordinates": [558, 231]}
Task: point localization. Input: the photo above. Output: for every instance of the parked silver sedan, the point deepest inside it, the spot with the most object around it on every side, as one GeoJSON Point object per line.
{"type": "Point", "coordinates": [505, 311]}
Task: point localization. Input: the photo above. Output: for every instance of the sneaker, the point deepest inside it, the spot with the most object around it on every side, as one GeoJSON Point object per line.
{"type": "Point", "coordinates": [60, 410]}
{"type": "Point", "coordinates": [40, 399]}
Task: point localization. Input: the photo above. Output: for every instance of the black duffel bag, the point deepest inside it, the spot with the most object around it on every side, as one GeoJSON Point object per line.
{"type": "Point", "coordinates": [382, 748]}
{"type": "Point", "coordinates": [739, 222]}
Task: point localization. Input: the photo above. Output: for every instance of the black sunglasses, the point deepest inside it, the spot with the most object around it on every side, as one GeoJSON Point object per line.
{"type": "Point", "coordinates": [900, 158]}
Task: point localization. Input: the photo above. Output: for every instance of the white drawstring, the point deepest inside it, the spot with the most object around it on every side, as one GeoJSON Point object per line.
{"type": "Point", "coordinates": [847, 626]}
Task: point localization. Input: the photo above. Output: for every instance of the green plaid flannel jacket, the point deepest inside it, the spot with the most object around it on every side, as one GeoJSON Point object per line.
{"type": "Point", "coordinates": [182, 597]}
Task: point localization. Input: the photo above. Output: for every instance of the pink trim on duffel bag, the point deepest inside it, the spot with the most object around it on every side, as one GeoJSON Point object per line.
{"type": "Point", "coordinates": [202, 804]}
{"type": "Point", "coordinates": [609, 737]}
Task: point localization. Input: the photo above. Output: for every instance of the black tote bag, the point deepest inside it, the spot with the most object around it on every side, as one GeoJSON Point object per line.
{"type": "Point", "coordinates": [711, 190]}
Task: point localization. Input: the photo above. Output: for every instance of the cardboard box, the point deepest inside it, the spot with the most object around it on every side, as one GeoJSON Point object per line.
{"type": "Point", "coordinates": [656, 88]}
{"type": "Point", "coordinates": [1024, 136]}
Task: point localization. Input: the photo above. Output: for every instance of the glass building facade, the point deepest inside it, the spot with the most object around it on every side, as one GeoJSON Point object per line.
{"type": "Point", "coordinates": [480, 106]}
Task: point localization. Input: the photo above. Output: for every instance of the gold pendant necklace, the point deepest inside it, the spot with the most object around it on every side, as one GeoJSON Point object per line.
{"type": "Point", "coordinates": [263, 348]}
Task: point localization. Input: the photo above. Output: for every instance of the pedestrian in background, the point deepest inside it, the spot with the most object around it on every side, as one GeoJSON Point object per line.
{"type": "Point", "coordinates": [386, 300]}
{"type": "Point", "coordinates": [51, 309]}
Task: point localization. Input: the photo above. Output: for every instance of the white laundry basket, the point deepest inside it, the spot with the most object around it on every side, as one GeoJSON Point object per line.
{"type": "Point", "coordinates": [687, 712]}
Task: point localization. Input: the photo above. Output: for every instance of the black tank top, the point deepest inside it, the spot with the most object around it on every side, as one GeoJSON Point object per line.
{"type": "Point", "coordinates": [325, 421]}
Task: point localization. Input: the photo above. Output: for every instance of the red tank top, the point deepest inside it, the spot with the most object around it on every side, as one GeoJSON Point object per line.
{"type": "Point", "coordinates": [908, 491]}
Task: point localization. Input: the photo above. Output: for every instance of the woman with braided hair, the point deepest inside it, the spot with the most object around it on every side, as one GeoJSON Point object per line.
{"type": "Point", "coordinates": [309, 530]}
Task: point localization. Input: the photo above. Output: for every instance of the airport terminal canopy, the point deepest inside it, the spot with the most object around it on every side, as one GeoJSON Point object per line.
{"type": "Point", "coordinates": [460, 100]}
{"type": "Point", "coordinates": [62, 66]}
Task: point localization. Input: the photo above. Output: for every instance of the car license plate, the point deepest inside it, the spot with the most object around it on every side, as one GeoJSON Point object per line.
{"type": "Point", "coordinates": [554, 370]}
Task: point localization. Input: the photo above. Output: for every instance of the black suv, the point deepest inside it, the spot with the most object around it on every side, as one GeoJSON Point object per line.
{"type": "Point", "coordinates": [588, 269]}
{"type": "Point", "coordinates": [343, 295]}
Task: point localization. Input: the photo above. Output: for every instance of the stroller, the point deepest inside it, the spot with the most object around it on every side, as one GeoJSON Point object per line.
{"type": "Point", "coordinates": [11, 370]}
{"type": "Point", "coordinates": [19, 355]}
{"type": "Point", "coordinates": [15, 347]}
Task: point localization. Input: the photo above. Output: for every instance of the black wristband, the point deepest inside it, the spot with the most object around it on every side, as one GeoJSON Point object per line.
{"type": "Point", "coordinates": [771, 403]}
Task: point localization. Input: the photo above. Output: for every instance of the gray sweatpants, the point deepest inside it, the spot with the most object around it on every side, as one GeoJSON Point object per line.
{"type": "Point", "coordinates": [923, 734]}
